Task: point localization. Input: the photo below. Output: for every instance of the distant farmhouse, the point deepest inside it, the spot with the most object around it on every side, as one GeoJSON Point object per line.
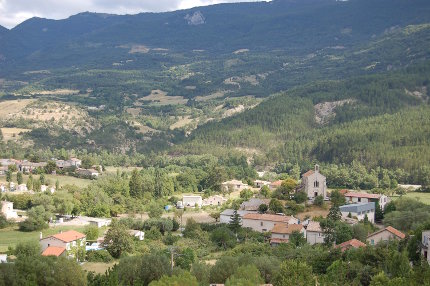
{"type": "Point", "coordinates": [65, 244]}
{"type": "Point", "coordinates": [234, 185]}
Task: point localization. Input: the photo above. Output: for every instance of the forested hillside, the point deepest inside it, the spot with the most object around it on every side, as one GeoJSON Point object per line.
{"type": "Point", "coordinates": [374, 119]}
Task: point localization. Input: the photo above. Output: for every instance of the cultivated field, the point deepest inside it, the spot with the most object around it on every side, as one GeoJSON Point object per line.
{"type": "Point", "coordinates": [422, 197]}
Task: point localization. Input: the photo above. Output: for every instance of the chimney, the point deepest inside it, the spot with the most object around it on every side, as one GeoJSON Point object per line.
{"type": "Point", "coordinates": [40, 235]}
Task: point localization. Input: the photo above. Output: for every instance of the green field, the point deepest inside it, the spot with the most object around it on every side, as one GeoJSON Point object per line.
{"type": "Point", "coordinates": [12, 236]}
{"type": "Point", "coordinates": [422, 197]}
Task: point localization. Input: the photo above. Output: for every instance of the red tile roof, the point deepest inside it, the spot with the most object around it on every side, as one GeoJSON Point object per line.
{"type": "Point", "coordinates": [53, 251]}
{"type": "Point", "coordinates": [69, 236]}
{"type": "Point", "coordinates": [286, 228]}
{"type": "Point", "coordinates": [392, 230]}
{"type": "Point", "coordinates": [362, 195]}
{"type": "Point", "coordinates": [343, 191]}
{"type": "Point", "coordinates": [308, 173]}
{"type": "Point", "coordinates": [353, 243]}
{"type": "Point", "coordinates": [276, 183]}
{"type": "Point", "coordinates": [267, 217]}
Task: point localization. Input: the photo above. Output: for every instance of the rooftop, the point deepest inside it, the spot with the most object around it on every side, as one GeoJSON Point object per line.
{"type": "Point", "coordinates": [308, 173]}
{"type": "Point", "coordinates": [287, 228]}
{"type": "Point", "coordinates": [392, 230]}
{"type": "Point", "coordinates": [68, 236]}
{"type": "Point", "coordinates": [267, 217]}
{"type": "Point", "coordinates": [353, 243]}
{"type": "Point", "coordinates": [314, 226]}
{"type": "Point", "coordinates": [356, 208]}
{"type": "Point", "coordinates": [53, 251]}
{"type": "Point", "coordinates": [362, 195]}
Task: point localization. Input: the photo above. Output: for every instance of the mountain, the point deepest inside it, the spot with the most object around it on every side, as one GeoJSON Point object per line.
{"type": "Point", "coordinates": [296, 27]}
{"type": "Point", "coordinates": [379, 119]}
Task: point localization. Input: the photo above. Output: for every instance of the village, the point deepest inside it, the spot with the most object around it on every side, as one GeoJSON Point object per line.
{"type": "Point", "coordinates": [246, 206]}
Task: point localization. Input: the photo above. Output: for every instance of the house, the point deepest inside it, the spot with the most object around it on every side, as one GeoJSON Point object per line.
{"type": "Point", "coordinates": [234, 185]}
{"type": "Point", "coordinates": [314, 183]}
{"type": "Point", "coordinates": [45, 188]}
{"type": "Point", "coordinates": [3, 258]}
{"type": "Point", "coordinates": [192, 201]}
{"type": "Point", "coordinates": [7, 210]}
{"type": "Point", "coordinates": [359, 211]}
{"type": "Point", "coordinates": [386, 234]}
{"type": "Point", "coordinates": [63, 244]}
{"type": "Point", "coordinates": [265, 222]}
{"type": "Point", "coordinates": [259, 183]}
{"type": "Point", "coordinates": [226, 215]}
{"type": "Point", "coordinates": [28, 167]}
{"type": "Point", "coordinates": [8, 162]}
{"type": "Point", "coordinates": [353, 243]}
{"type": "Point", "coordinates": [75, 162]}
{"type": "Point", "coordinates": [2, 188]}
{"type": "Point", "coordinates": [138, 234]}
{"type": "Point", "coordinates": [281, 232]}
{"type": "Point", "coordinates": [314, 233]}
{"type": "Point", "coordinates": [425, 241]}
{"type": "Point", "coordinates": [274, 185]}
{"type": "Point", "coordinates": [62, 164]}
{"type": "Point", "coordinates": [215, 200]}
{"type": "Point", "coordinates": [21, 188]}
{"type": "Point", "coordinates": [352, 198]}
{"type": "Point", "coordinates": [253, 204]}
{"type": "Point", "coordinates": [99, 222]}
{"type": "Point", "coordinates": [87, 173]}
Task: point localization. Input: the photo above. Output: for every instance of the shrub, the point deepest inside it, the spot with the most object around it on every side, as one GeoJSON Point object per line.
{"type": "Point", "coordinates": [319, 201]}
{"type": "Point", "coordinates": [99, 256]}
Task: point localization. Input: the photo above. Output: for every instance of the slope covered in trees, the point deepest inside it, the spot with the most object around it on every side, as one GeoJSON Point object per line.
{"type": "Point", "coordinates": [384, 122]}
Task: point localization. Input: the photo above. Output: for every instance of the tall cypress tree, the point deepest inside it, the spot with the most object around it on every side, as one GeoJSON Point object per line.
{"type": "Point", "coordinates": [235, 222]}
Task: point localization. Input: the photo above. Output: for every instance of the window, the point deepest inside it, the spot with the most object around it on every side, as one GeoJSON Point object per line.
{"type": "Point", "coordinates": [359, 199]}
{"type": "Point", "coordinates": [283, 236]}
{"type": "Point", "coordinates": [319, 234]}
{"type": "Point", "coordinates": [261, 223]}
{"type": "Point", "coordinates": [316, 184]}
{"type": "Point", "coordinates": [372, 242]}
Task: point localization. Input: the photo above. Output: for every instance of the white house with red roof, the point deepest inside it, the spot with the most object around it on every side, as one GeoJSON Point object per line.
{"type": "Point", "coordinates": [353, 243]}
{"type": "Point", "coordinates": [65, 243]}
{"type": "Point", "coordinates": [353, 197]}
{"type": "Point", "coordinates": [314, 183]}
{"type": "Point", "coordinates": [384, 235]}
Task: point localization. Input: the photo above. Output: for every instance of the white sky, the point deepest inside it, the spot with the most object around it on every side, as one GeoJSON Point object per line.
{"type": "Point", "coordinates": [13, 12]}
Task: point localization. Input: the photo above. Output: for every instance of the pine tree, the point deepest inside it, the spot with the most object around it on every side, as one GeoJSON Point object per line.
{"type": "Point", "coordinates": [334, 213]}
{"type": "Point", "coordinates": [19, 178]}
{"type": "Point", "coordinates": [135, 184]}
{"type": "Point", "coordinates": [235, 222]}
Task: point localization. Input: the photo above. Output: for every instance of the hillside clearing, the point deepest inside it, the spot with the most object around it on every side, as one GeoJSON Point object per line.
{"type": "Point", "coordinates": [13, 133]}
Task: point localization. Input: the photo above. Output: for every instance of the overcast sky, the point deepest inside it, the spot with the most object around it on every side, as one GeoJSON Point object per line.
{"type": "Point", "coordinates": [13, 12]}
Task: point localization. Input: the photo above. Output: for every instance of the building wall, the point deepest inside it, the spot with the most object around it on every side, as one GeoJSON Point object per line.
{"type": "Point", "coordinates": [192, 201]}
{"type": "Point", "coordinates": [281, 235]}
{"type": "Point", "coordinates": [382, 236]}
{"type": "Point", "coordinates": [49, 241]}
{"type": "Point", "coordinates": [360, 217]}
{"type": "Point", "coordinates": [310, 189]}
{"type": "Point", "coordinates": [258, 225]}
{"type": "Point", "coordinates": [313, 237]}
